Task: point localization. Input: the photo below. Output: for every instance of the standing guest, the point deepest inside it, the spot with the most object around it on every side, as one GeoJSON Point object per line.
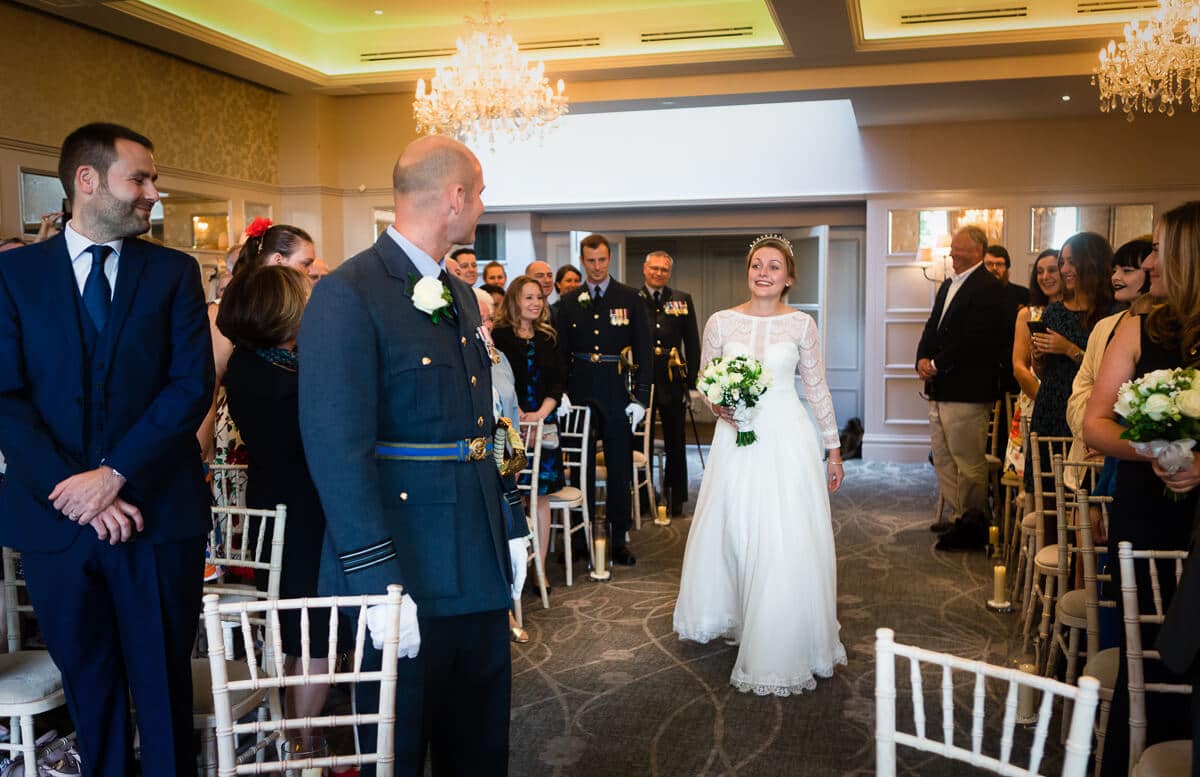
{"type": "Point", "coordinates": [221, 284]}
{"type": "Point", "coordinates": [496, 293]}
{"type": "Point", "coordinates": [541, 272]}
{"type": "Point", "coordinates": [1085, 266]}
{"type": "Point", "coordinates": [281, 244]}
{"type": "Point", "coordinates": [676, 346]}
{"type": "Point", "coordinates": [597, 322]}
{"type": "Point", "coordinates": [105, 373]}
{"type": "Point", "coordinates": [268, 243]}
{"type": "Point", "coordinates": [566, 280]}
{"type": "Point", "coordinates": [494, 274]}
{"type": "Point", "coordinates": [958, 357]}
{"type": "Point", "coordinates": [1143, 512]}
{"type": "Point", "coordinates": [261, 316]}
{"type": "Point", "coordinates": [463, 263]}
{"type": "Point", "coordinates": [396, 417]}
{"type": "Point", "coordinates": [997, 261]}
{"type": "Point", "coordinates": [1045, 286]}
{"type": "Point", "coordinates": [318, 270]}
{"type": "Point", "coordinates": [524, 335]}
{"type": "Point", "coordinates": [9, 243]}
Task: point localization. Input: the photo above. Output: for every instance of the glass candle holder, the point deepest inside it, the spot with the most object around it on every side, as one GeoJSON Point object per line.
{"type": "Point", "coordinates": [600, 549]}
{"type": "Point", "coordinates": [299, 748]}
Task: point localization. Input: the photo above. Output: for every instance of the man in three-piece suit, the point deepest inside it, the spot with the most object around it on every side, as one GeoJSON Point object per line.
{"type": "Point", "coordinates": [676, 338]}
{"type": "Point", "coordinates": [396, 416]}
{"type": "Point", "coordinates": [106, 372]}
{"type": "Point", "coordinates": [596, 322]}
{"type": "Point", "coordinates": [959, 358]}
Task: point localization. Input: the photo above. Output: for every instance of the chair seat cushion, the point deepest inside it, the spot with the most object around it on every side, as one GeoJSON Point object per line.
{"type": "Point", "coordinates": [1104, 667]}
{"type": "Point", "coordinates": [639, 459]}
{"type": "Point", "coordinates": [600, 459]}
{"type": "Point", "coordinates": [202, 693]}
{"type": "Point", "coordinates": [601, 473]}
{"type": "Point", "coordinates": [1011, 479]}
{"type": "Point", "coordinates": [1047, 559]}
{"type": "Point", "coordinates": [1072, 609]}
{"type": "Point", "coordinates": [1029, 521]}
{"type": "Point", "coordinates": [27, 676]}
{"type": "Point", "coordinates": [566, 494]}
{"type": "Point", "coordinates": [1166, 759]}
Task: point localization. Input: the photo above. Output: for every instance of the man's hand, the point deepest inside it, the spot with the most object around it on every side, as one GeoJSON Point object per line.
{"type": "Point", "coordinates": [635, 413]}
{"type": "Point", "coordinates": [80, 497]}
{"type": "Point", "coordinates": [925, 369]}
{"type": "Point", "coordinates": [410, 631]}
{"type": "Point", "coordinates": [116, 523]}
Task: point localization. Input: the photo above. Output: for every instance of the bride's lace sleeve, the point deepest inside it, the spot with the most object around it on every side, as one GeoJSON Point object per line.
{"type": "Point", "coordinates": [811, 368]}
{"type": "Point", "coordinates": [710, 348]}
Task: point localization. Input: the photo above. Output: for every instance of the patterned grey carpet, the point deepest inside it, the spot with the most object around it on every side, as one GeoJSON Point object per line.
{"type": "Point", "coordinates": [605, 688]}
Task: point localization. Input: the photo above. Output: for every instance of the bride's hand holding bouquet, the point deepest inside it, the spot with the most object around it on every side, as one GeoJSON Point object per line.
{"type": "Point", "coordinates": [734, 386]}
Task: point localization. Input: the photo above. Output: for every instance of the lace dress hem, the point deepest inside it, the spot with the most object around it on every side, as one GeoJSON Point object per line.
{"type": "Point", "coordinates": [786, 686]}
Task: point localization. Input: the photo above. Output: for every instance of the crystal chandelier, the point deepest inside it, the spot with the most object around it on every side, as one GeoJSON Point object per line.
{"type": "Point", "coordinates": [489, 88]}
{"type": "Point", "coordinates": [1156, 66]}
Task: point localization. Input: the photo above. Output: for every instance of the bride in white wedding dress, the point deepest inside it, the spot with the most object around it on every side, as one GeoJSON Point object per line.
{"type": "Point", "coordinates": [760, 568]}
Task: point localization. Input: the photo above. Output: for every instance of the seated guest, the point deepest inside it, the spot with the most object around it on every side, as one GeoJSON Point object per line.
{"type": "Point", "coordinates": [523, 334]}
{"type": "Point", "coordinates": [260, 314]}
{"type": "Point", "coordinates": [494, 274]}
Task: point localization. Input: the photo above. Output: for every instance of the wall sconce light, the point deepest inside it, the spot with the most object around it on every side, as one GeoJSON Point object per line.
{"type": "Point", "coordinates": [931, 257]}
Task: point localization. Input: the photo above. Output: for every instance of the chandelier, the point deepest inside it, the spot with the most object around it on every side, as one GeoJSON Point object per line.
{"type": "Point", "coordinates": [1156, 65]}
{"type": "Point", "coordinates": [488, 88]}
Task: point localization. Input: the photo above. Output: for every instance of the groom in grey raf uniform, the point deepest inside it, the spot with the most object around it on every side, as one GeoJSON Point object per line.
{"type": "Point", "coordinates": [396, 416]}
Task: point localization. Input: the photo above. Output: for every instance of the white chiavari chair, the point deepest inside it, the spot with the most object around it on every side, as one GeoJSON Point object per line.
{"type": "Point", "coordinates": [1165, 759]}
{"type": "Point", "coordinates": [642, 471]}
{"type": "Point", "coordinates": [1038, 560]}
{"type": "Point", "coordinates": [574, 433]}
{"type": "Point", "coordinates": [30, 683]}
{"type": "Point", "coordinates": [887, 735]}
{"type": "Point", "coordinates": [228, 484]}
{"type": "Point", "coordinates": [531, 436]}
{"type": "Point", "coordinates": [226, 686]}
{"type": "Point", "coordinates": [994, 456]}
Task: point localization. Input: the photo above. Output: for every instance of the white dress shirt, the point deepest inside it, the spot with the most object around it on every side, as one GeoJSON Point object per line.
{"type": "Point", "coordinates": [426, 264]}
{"type": "Point", "coordinates": [956, 282]}
{"type": "Point", "coordinates": [81, 258]}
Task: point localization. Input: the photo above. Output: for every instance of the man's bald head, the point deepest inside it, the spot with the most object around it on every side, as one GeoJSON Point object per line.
{"type": "Point", "coordinates": [431, 163]}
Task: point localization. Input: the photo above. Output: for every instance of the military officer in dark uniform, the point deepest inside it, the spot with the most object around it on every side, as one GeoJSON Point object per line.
{"type": "Point", "coordinates": [396, 416]}
{"type": "Point", "coordinates": [676, 343]}
{"type": "Point", "coordinates": [596, 322]}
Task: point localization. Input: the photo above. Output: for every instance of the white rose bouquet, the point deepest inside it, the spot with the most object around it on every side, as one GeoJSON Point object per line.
{"type": "Point", "coordinates": [1162, 414]}
{"type": "Point", "coordinates": [737, 383]}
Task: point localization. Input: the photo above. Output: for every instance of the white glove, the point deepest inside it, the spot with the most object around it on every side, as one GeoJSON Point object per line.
{"type": "Point", "coordinates": [410, 632]}
{"type": "Point", "coordinates": [635, 413]}
{"type": "Point", "coordinates": [518, 554]}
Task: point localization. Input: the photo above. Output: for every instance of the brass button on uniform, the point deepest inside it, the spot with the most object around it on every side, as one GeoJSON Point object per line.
{"type": "Point", "coordinates": [595, 331]}
{"type": "Point", "coordinates": [403, 496]}
{"type": "Point", "coordinates": [596, 316]}
{"type": "Point", "coordinates": [464, 340]}
{"type": "Point", "coordinates": [479, 422]}
{"type": "Point", "coordinates": [472, 380]}
{"type": "Point", "coordinates": [426, 360]}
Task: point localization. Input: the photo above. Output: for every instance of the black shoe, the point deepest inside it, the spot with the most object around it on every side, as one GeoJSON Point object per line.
{"type": "Point", "coordinates": [624, 556]}
{"type": "Point", "coordinates": [941, 526]}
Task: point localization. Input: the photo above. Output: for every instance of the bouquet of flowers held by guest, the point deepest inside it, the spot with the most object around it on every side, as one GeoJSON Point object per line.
{"type": "Point", "coordinates": [737, 382]}
{"type": "Point", "coordinates": [1162, 413]}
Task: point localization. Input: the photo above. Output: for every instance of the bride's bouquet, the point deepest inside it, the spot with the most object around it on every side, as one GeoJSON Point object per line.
{"type": "Point", "coordinates": [737, 382]}
{"type": "Point", "coordinates": [1162, 413]}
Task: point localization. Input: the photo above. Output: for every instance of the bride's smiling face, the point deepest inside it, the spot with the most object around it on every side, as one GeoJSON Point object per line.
{"type": "Point", "coordinates": [768, 273]}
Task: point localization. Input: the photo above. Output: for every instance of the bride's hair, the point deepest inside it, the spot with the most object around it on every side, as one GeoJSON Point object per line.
{"type": "Point", "coordinates": [781, 244]}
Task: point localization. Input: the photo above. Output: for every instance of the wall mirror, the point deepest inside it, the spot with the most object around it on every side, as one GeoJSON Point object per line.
{"type": "Point", "coordinates": [1051, 225]}
{"type": "Point", "coordinates": [911, 230]}
{"type": "Point", "coordinates": [191, 221]}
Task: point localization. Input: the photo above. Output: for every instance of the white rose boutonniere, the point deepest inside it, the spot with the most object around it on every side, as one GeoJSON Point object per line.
{"type": "Point", "coordinates": [432, 297]}
{"type": "Point", "coordinates": [585, 300]}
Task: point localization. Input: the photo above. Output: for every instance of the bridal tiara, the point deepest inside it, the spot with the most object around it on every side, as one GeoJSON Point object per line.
{"type": "Point", "coordinates": [764, 238]}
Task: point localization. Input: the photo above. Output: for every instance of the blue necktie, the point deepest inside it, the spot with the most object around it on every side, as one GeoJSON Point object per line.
{"type": "Point", "coordinates": [97, 294]}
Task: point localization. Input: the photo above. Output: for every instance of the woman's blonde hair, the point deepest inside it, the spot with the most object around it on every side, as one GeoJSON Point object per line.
{"type": "Point", "coordinates": [1178, 322]}
{"type": "Point", "coordinates": [509, 313]}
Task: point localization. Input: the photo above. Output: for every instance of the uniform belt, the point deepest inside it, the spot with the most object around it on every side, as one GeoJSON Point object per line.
{"type": "Point", "coordinates": [474, 449]}
{"type": "Point", "coordinates": [596, 358]}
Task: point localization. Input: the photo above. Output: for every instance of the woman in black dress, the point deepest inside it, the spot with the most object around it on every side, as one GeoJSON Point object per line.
{"type": "Point", "coordinates": [1143, 513]}
{"type": "Point", "coordinates": [524, 334]}
{"type": "Point", "coordinates": [260, 313]}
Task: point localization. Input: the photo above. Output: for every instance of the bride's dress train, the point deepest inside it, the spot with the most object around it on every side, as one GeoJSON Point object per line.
{"type": "Point", "coordinates": [760, 567]}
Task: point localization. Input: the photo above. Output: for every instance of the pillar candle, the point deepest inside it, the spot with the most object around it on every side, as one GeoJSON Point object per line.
{"type": "Point", "coordinates": [994, 536]}
{"type": "Point", "coordinates": [1025, 695]}
{"type": "Point", "coordinates": [998, 583]}
{"type": "Point", "coordinates": [601, 553]}
{"type": "Point", "coordinates": [662, 511]}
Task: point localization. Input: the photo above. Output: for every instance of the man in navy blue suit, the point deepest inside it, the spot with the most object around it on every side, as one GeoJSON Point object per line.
{"type": "Point", "coordinates": [106, 372]}
{"type": "Point", "coordinates": [396, 415]}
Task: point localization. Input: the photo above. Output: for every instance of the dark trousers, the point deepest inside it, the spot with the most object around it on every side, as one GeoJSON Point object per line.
{"type": "Point", "coordinates": [675, 478]}
{"type": "Point", "coordinates": [452, 700]}
{"type": "Point", "coordinates": [613, 428]}
{"type": "Point", "coordinates": [121, 620]}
